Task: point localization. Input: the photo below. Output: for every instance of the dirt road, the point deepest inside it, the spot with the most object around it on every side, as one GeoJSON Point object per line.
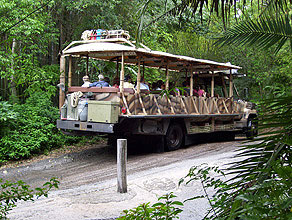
{"type": "Point", "coordinates": [88, 181]}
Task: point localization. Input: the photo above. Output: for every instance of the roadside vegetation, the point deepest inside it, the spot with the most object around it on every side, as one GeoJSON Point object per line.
{"type": "Point", "coordinates": [12, 192]}
{"type": "Point", "coordinates": [256, 37]}
{"type": "Point", "coordinates": [29, 69]}
{"type": "Point", "coordinates": [258, 184]}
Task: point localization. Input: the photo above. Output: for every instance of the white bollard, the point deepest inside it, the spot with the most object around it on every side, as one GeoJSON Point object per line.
{"type": "Point", "coordinates": [122, 165]}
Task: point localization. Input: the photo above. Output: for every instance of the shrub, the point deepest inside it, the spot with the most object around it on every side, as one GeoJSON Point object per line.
{"type": "Point", "coordinates": [7, 114]}
{"type": "Point", "coordinates": [34, 130]}
{"type": "Point", "coordinates": [165, 209]}
{"type": "Point", "coordinates": [11, 192]}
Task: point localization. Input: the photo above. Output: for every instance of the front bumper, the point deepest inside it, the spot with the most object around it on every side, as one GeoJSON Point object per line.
{"type": "Point", "coordinates": [242, 124]}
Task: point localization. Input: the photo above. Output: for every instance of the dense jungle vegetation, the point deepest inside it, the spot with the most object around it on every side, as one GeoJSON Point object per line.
{"type": "Point", "coordinates": [254, 35]}
{"type": "Point", "coordinates": [33, 32]}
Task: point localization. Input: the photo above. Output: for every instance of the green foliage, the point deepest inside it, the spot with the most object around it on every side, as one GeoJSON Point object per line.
{"type": "Point", "coordinates": [29, 74]}
{"type": "Point", "coordinates": [11, 192]}
{"type": "Point", "coordinates": [265, 32]}
{"type": "Point", "coordinates": [34, 130]}
{"type": "Point", "coordinates": [259, 183]}
{"type": "Point", "coordinates": [6, 112]}
{"type": "Point", "coordinates": [165, 209]}
{"type": "Point", "coordinates": [6, 115]}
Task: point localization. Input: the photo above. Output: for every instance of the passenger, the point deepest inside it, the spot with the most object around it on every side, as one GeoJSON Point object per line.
{"type": "Point", "coordinates": [86, 81]}
{"type": "Point", "coordinates": [116, 82]}
{"type": "Point", "coordinates": [160, 85]}
{"type": "Point", "coordinates": [100, 83]}
{"type": "Point", "coordinates": [186, 87]}
{"type": "Point", "coordinates": [143, 85]}
{"type": "Point", "coordinates": [199, 92]}
{"type": "Point", "coordinates": [107, 79]}
{"type": "Point", "coordinates": [128, 82]}
{"type": "Point", "coordinates": [154, 86]}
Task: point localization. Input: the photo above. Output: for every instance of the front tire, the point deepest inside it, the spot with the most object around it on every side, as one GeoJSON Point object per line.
{"type": "Point", "coordinates": [174, 137]}
{"type": "Point", "coordinates": [252, 128]}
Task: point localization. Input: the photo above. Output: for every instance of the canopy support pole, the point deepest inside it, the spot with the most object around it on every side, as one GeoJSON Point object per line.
{"type": "Point", "coordinates": [224, 86]}
{"type": "Point", "coordinates": [212, 84]}
{"type": "Point", "coordinates": [230, 84]}
{"type": "Point", "coordinates": [167, 77]}
{"type": "Point", "coordinates": [122, 76]}
{"type": "Point", "coordinates": [139, 75]}
{"type": "Point", "coordinates": [143, 69]}
{"type": "Point", "coordinates": [117, 73]}
{"type": "Point", "coordinates": [192, 82]}
{"type": "Point", "coordinates": [62, 81]}
{"type": "Point", "coordinates": [70, 72]}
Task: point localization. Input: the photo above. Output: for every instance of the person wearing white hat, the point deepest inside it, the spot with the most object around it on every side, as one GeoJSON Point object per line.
{"type": "Point", "coordinates": [86, 81]}
{"type": "Point", "coordinates": [100, 77]}
{"type": "Point", "coordinates": [100, 83]}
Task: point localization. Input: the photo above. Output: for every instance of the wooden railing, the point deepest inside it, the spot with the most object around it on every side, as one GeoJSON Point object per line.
{"type": "Point", "coordinates": [158, 105]}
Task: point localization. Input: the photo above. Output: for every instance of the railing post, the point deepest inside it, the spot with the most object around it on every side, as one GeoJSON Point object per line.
{"type": "Point", "coordinates": [122, 165]}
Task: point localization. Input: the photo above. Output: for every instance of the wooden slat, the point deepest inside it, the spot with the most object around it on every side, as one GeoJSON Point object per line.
{"type": "Point", "coordinates": [126, 104]}
{"type": "Point", "coordinates": [141, 102]}
{"type": "Point", "coordinates": [189, 104]}
{"type": "Point", "coordinates": [225, 107]}
{"type": "Point", "coordinates": [195, 105]}
{"type": "Point", "coordinates": [216, 106]}
{"type": "Point", "coordinates": [232, 105]}
{"type": "Point", "coordinates": [183, 104]}
{"type": "Point", "coordinates": [131, 102]}
{"type": "Point", "coordinates": [156, 103]}
{"type": "Point", "coordinates": [171, 107]}
{"type": "Point", "coordinates": [209, 104]}
{"type": "Point", "coordinates": [205, 105]}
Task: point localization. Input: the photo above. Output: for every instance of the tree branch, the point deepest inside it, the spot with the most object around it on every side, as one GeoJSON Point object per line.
{"type": "Point", "coordinates": [12, 26]}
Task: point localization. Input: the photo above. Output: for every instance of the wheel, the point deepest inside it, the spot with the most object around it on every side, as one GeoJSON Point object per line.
{"type": "Point", "coordinates": [252, 128]}
{"type": "Point", "coordinates": [230, 136]}
{"type": "Point", "coordinates": [226, 136]}
{"type": "Point", "coordinates": [174, 137]}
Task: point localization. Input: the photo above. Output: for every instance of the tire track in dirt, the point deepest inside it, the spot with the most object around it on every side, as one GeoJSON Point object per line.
{"type": "Point", "coordinates": [99, 164]}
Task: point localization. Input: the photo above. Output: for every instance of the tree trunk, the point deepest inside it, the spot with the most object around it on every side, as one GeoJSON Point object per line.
{"type": "Point", "coordinates": [12, 77]}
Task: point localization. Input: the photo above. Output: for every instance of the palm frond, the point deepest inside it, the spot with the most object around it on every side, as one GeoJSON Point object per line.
{"type": "Point", "coordinates": [259, 157]}
{"type": "Point", "coordinates": [264, 165]}
{"type": "Point", "coordinates": [264, 33]}
{"type": "Point", "coordinates": [141, 23]}
{"type": "Point", "coordinates": [273, 6]}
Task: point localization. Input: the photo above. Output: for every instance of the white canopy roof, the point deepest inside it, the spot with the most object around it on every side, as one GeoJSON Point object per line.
{"type": "Point", "coordinates": [153, 59]}
{"type": "Point", "coordinates": [98, 48]}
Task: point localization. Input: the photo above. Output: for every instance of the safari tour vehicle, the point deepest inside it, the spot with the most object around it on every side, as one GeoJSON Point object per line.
{"type": "Point", "coordinates": [127, 112]}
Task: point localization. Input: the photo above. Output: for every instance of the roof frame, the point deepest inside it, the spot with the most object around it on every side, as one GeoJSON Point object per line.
{"type": "Point", "coordinates": [111, 50]}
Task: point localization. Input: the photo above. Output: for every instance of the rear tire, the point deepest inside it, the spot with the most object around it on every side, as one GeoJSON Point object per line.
{"type": "Point", "coordinates": [174, 137]}
{"type": "Point", "coordinates": [230, 136]}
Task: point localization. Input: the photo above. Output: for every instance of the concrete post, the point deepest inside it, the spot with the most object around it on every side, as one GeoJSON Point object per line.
{"type": "Point", "coordinates": [122, 165]}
